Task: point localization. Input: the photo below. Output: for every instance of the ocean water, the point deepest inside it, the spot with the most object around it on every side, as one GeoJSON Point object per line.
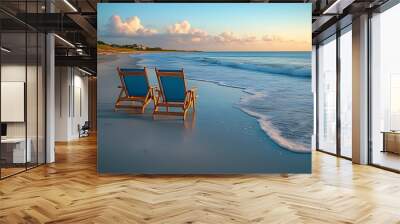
{"type": "Point", "coordinates": [277, 87]}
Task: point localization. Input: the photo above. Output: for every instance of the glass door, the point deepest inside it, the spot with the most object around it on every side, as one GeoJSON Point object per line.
{"type": "Point", "coordinates": [14, 155]}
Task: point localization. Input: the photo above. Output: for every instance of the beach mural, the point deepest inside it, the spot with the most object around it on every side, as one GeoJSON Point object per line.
{"type": "Point", "coordinates": [238, 74]}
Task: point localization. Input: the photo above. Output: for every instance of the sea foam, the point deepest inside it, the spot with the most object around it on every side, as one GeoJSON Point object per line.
{"type": "Point", "coordinates": [274, 68]}
{"type": "Point", "coordinates": [267, 126]}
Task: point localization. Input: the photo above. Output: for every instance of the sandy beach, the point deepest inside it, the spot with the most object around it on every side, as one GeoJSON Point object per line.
{"type": "Point", "coordinates": [219, 138]}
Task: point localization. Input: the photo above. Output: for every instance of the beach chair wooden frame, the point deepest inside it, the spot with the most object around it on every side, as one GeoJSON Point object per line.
{"type": "Point", "coordinates": [160, 99]}
{"type": "Point", "coordinates": [135, 103]}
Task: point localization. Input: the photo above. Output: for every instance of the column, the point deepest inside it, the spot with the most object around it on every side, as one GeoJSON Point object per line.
{"type": "Point", "coordinates": [360, 90]}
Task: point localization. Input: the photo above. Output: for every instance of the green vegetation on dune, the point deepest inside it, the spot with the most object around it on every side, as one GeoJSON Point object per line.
{"type": "Point", "coordinates": [101, 45]}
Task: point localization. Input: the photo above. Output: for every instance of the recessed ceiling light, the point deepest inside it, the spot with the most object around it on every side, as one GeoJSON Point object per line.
{"type": "Point", "coordinates": [64, 40]}
{"type": "Point", "coordinates": [5, 50]}
{"type": "Point", "coordinates": [84, 71]}
{"type": "Point", "coordinates": [70, 5]}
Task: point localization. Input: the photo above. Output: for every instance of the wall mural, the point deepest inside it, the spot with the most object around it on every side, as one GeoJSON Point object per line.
{"type": "Point", "coordinates": [204, 88]}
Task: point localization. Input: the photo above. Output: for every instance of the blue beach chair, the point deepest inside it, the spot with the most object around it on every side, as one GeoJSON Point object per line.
{"type": "Point", "coordinates": [136, 92]}
{"type": "Point", "coordinates": [173, 93]}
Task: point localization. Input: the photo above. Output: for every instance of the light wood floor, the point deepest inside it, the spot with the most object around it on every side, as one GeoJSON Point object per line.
{"type": "Point", "coordinates": [70, 191]}
{"type": "Point", "coordinates": [387, 159]}
{"type": "Point", "coordinates": [10, 171]}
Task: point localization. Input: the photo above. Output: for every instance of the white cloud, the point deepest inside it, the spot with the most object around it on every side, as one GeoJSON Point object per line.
{"type": "Point", "coordinates": [184, 32]}
{"type": "Point", "coordinates": [180, 28]}
{"type": "Point", "coordinates": [272, 38]}
{"type": "Point", "coordinates": [130, 27]}
{"type": "Point", "coordinates": [249, 39]}
{"type": "Point", "coordinates": [196, 39]}
{"type": "Point", "coordinates": [228, 37]}
{"type": "Point", "coordinates": [267, 38]}
{"type": "Point", "coordinates": [198, 33]}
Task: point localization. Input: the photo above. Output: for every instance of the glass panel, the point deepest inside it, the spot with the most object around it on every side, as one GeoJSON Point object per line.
{"type": "Point", "coordinates": [13, 86]}
{"type": "Point", "coordinates": [32, 87]}
{"type": "Point", "coordinates": [41, 98]}
{"type": "Point", "coordinates": [346, 93]}
{"type": "Point", "coordinates": [22, 88]}
{"type": "Point", "coordinates": [385, 95]}
{"type": "Point", "coordinates": [31, 98]}
{"type": "Point", "coordinates": [327, 96]}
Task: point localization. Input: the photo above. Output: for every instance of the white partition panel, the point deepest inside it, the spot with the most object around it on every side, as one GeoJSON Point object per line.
{"type": "Point", "coordinates": [12, 101]}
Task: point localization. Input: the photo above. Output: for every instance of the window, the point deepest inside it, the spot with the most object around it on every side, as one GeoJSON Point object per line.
{"type": "Point", "coordinates": [327, 95]}
{"type": "Point", "coordinates": [385, 89]}
{"type": "Point", "coordinates": [346, 92]}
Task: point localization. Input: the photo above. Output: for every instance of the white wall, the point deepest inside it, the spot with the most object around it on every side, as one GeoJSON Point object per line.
{"type": "Point", "coordinates": [80, 109]}
{"type": "Point", "coordinates": [70, 83]}
{"type": "Point", "coordinates": [13, 72]}
{"type": "Point", "coordinates": [16, 72]}
{"type": "Point", "coordinates": [62, 81]}
{"type": "Point", "coordinates": [33, 126]}
{"type": "Point", "coordinates": [13, 101]}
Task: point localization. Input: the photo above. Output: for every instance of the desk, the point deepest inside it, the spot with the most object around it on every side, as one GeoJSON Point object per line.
{"type": "Point", "coordinates": [391, 141]}
{"type": "Point", "coordinates": [16, 147]}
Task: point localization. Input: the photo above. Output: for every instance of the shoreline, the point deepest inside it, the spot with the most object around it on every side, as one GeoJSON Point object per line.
{"type": "Point", "coordinates": [125, 52]}
{"type": "Point", "coordinates": [263, 122]}
{"type": "Point", "coordinates": [116, 51]}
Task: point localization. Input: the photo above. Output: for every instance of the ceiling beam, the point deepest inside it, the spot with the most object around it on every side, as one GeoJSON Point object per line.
{"type": "Point", "coordinates": [337, 7]}
{"type": "Point", "coordinates": [78, 61]}
{"type": "Point", "coordinates": [89, 30]}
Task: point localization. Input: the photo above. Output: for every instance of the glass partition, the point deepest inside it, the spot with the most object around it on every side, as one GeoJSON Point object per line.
{"type": "Point", "coordinates": [13, 117]}
{"type": "Point", "coordinates": [22, 77]}
{"type": "Point", "coordinates": [31, 99]}
{"type": "Point", "coordinates": [41, 97]}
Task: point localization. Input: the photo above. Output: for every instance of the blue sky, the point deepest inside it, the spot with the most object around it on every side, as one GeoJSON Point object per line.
{"type": "Point", "coordinates": [241, 23]}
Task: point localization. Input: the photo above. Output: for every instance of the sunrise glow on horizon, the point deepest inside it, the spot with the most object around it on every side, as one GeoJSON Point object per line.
{"type": "Point", "coordinates": [208, 27]}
